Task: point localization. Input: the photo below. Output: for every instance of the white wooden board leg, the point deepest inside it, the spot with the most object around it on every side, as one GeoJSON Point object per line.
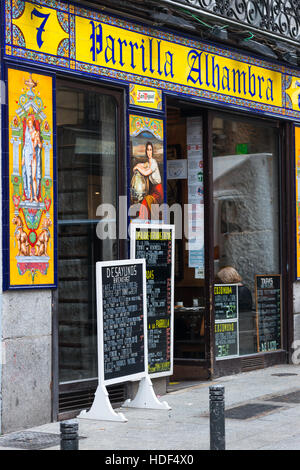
{"type": "Point", "coordinates": [101, 409]}
{"type": "Point", "coordinates": [146, 398]}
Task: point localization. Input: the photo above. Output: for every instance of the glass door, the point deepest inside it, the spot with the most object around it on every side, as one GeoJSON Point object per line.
{"type": "Point", "coordinates": [246, 189]}
{"type": "Point", "coordinates": [186, 188]}
{"type": "Point", "coordinates": [87, 161]}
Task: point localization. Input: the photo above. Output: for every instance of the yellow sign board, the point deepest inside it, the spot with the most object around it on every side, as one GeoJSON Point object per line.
{"type": "Point", "coordinates": [31, 195]}
{"type": "Point", "coordinates": [40, 28]}
{"type": "Point", "coordinates": [145, 97]}
{"type": "Point", "coordinates": [147, 56]}
{"type": "Point", "coordinates": [293, 91]}
{"type": "Point", "coordinates": [90, 42]}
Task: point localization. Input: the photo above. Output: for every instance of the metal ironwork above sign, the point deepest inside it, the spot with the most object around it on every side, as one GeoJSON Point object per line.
{"type": "Point", "coordinates": [274, 16]}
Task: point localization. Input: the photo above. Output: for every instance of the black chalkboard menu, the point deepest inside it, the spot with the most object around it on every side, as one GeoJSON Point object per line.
{"type": "Point", "coordinates": [226, 339]}
{"type": "Point", "coordinates": [268, 308]}
{"type": "Point", "coordinates": [226, 301]}
{"type": "Point", "coordinates": [155, 244]}
{"type": "Point", "coordinates": [226, 320]}
{"type": "Point", "coordinates": [121, 305]}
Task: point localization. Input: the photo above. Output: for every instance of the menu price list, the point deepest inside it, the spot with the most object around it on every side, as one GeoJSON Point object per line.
{"type": "Point", "coordinates": [123, 323]}
{"type": "Point", "coordinates": [226, 339]}
{"type": "Point", "coordinates": [155, 245]}
{"type": "Point", "coordinates": [269, 312]}
{"type": "Point", "coordinates": [159, 345]}
{"type": "Point", "coordinates": [226, 302]}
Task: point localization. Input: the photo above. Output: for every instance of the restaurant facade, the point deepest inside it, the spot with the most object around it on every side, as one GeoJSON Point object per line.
{"type": "Point", "coordinates": [110, 118]}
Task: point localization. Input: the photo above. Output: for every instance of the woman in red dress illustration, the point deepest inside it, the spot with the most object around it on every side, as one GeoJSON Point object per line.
{"type": "Point", "coordinates": [150, 170]}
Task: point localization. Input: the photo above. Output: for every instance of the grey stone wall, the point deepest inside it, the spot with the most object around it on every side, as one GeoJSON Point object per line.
{"type": "Point", "coordinates": [26, 374]}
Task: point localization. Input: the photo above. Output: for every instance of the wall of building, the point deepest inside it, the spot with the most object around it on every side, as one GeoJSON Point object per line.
{"type": "Point", "coordinates": [25, 349]}
{"type": "Point", "coordinates": [25, 352]}
{"type": "Point", "coordinates": [26, 374]}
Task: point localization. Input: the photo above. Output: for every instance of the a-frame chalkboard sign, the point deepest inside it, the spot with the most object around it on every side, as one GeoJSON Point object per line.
{"type": "Point", "coordinates": [122, 336]}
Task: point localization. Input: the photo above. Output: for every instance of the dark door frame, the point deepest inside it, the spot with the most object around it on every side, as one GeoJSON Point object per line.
{"type": "Point", "coordinates": [208, 240]}
{"type": "Point", "coordinates": [205, 366]}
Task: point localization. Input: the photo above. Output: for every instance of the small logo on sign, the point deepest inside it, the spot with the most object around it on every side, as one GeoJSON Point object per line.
{"type": "Point", "coordinates": [146, 96]}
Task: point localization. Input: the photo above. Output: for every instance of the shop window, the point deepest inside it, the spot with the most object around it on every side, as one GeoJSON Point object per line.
{"type": "Point", "coordinates": [87, 177]}
{"type": "Point", "coordinates": [246, 227]}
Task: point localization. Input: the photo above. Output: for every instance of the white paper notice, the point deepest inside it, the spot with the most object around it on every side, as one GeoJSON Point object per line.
{"type": "Point", "coordinates": [195, 195]}
{"type": "Point", "coordinates": [177, 169]}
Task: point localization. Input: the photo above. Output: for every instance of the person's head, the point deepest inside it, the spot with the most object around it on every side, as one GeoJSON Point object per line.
{"type": "Point", "coordinates": [228, 275]}
{"type": "Point", "coordinates": [30, 122]}
{"type": "Point", "coordinates": [149, 149]}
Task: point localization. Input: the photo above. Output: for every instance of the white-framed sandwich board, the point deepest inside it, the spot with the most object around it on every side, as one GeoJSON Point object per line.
{"type": "Point", "coordinates": [122, 336]}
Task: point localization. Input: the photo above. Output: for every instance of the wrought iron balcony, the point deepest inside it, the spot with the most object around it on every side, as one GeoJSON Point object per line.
{"type": "Point", "coordinates": [278, 17]}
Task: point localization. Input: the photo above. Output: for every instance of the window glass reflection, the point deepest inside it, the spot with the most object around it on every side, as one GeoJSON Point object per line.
{"type": "Point", "coordinates": [246, 219]}
{"type": "Point", "coordinates": [87, 162]}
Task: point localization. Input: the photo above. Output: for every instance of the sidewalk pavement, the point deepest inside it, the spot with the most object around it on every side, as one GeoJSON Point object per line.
{"type": "Point", "coordinates": [270, 421]}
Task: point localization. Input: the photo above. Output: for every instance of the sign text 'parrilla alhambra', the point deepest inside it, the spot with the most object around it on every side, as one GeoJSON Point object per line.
{"type": "Point", "coordinates": [91, 42]}
{"type": "Point", "coordinates": [113, 47]}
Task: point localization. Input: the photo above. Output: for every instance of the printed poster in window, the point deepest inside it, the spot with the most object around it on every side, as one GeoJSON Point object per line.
{"type": "Point", "coordinates": [146, 167]}
{"type": "Point", "coordinates": [195, 195]}
{"type": "Point", "coordinates": [31, 211]}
